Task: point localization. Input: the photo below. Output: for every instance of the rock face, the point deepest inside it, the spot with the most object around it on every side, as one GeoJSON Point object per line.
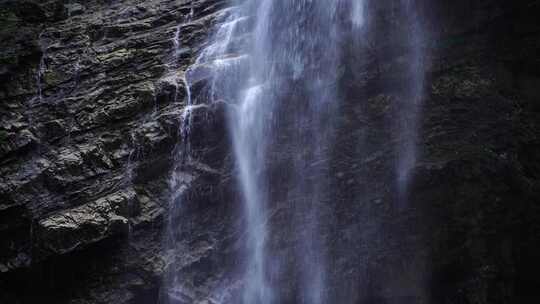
{"type": "Point", "coordinates": [64, 231]}
{"type": "Point", "coordinates": [91, 100]}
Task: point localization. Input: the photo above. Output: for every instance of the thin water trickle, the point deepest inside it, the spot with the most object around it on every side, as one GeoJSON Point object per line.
{"type": "Point", "coordinates": [39, 78]}
{"type": "Point", "coordinates": [173, 292]}
{"type": "Point", "coordinates": [174, 64]}
{"type": "Point", "coordinates": [176, 43]}
{"type": "Point", "coordinates": [43, 45]}
{"type": "Point", "coordinates": [37, 98]}
{"type": "Point", "coordinates": [408, 124]}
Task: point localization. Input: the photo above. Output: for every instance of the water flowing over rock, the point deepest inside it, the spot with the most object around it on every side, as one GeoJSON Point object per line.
{"type": "Point", "coordinates": [280, 66]}
{"type": "Point", "coordinates": [265, 152]}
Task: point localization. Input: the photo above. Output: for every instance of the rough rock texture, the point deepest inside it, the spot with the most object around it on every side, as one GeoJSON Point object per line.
{"type": "Point", "coordinates": [90, 102]}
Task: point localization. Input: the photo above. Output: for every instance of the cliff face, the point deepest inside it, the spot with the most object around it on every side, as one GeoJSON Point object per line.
{"type": "Point", "coordinates": [90, 117]}
{"type": "Point", "coordinates": [91, 106]}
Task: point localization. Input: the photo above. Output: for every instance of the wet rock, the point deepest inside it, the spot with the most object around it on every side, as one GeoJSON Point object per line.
{"type": "Point", "coordinates": [150, 213]}
{"type": "Point", "coordinates": [13, 142]}
{"type": "Point", "coordinates": [75, 9]}
{"type": "Point", "coordinates": [76, 228]}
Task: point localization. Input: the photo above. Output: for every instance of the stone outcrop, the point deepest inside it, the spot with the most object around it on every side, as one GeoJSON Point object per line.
{"type": "Point", "coordinates": [91, 98]}
{"type": "Point", "coordinates": [69, 229]}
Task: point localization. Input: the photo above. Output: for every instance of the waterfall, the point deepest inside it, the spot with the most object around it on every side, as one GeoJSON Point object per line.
{"type": "Point", "coordinates": [283, 78]}
{"type": "Point", "coordinates": [278, 65]}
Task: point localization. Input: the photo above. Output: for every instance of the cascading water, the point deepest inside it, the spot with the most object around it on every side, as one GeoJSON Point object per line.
{"type": "Point", "coordinates": [284, 77]}
{"type": "Point", "coordinates": [278, 65]}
